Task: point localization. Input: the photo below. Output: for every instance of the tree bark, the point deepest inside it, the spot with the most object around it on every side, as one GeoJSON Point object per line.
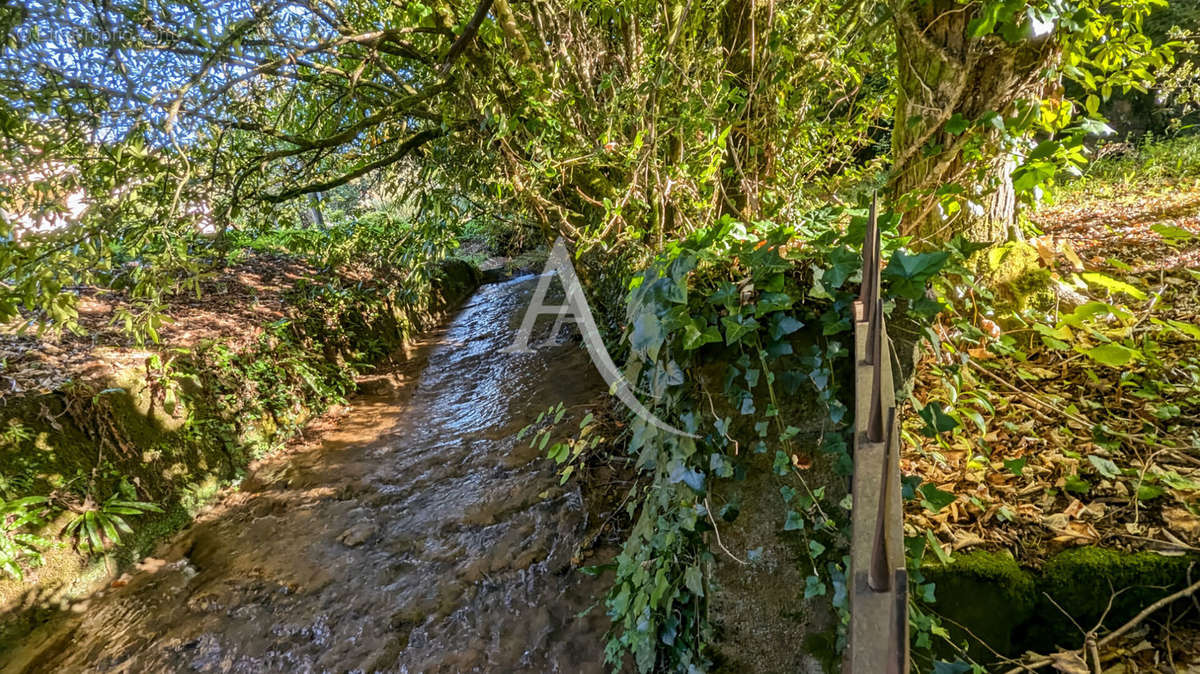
{"type": "Point", "coordinates": [948, 85]}
{"type": "Point", "coordinates": [746, 25]}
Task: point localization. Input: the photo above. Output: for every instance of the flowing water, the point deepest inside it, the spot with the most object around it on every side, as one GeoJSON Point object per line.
{"type": "Point", "coordinates": [418, 535]}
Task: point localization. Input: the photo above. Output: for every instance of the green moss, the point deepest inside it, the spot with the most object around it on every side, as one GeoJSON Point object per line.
{"type": "Point", "coordinates": [988, 597]}
{"type": "Point", "coordinates": [986, 592]}
{"type": "Point", "coordinates": [1082, 581]}
{"type": "Point", "coordinates": [1013, 271]}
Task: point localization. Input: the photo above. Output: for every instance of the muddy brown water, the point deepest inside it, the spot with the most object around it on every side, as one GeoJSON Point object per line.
{"type": "Point", "coordinates": [418, 535]}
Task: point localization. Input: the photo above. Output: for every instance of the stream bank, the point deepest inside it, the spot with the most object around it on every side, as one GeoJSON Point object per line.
{"type": "Point", "coordinates": [172, 425]}
{"type": "Point", "coordinates": [419, 535]}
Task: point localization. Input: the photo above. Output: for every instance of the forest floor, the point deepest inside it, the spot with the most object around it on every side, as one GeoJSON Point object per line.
{"type": "Point", "coordinates": [1060, 444]}
{"type": "Point", "coordinates": [233, 304]}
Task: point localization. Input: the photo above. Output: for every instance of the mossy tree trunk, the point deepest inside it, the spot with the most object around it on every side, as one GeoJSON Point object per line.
{"type": "Point", "coordinates": [950, 88]}
{"type": "Point", "coordinates": [749, 155]}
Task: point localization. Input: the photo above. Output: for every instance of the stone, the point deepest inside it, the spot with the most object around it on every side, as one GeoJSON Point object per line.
{"type": "Point", "coordinates": [358, 534]}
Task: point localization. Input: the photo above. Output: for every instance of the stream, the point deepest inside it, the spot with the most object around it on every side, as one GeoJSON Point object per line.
{"type": "Point", "coordinates": [417, 534]}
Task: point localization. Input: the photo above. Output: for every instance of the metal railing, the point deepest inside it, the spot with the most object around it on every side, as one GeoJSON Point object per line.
{"type": "Point", "coordinates": [878, 634]}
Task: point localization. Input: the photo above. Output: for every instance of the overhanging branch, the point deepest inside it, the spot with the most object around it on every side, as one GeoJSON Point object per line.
{"type": "Point", "coordinates": [406, 147]}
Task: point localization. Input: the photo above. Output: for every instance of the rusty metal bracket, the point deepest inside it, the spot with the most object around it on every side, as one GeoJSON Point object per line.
{"type": "Point", "coordinates": [878, 633]}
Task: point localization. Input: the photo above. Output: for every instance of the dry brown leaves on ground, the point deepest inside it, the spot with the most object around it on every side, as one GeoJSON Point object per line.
{"type": "Point", "coordinates": [1028, 471]}
{"type": "Point", "coordinates": [233, 304]}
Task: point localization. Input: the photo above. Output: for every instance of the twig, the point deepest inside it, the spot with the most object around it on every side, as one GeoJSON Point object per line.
{"type": "Point", "coordinates": [1093, 653]}
{"type": "Point", "coordinates": [718, 534]}
{"type": "Point", "coordinates": [1093, 646]}
{"type": "Point", "coordinates": [1070, 416]}
{"type": "Point", "coordinates": [1147, 612]}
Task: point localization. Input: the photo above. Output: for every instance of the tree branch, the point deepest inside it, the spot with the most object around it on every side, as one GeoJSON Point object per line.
{"type": "Point", "coordinates": [407, 146]}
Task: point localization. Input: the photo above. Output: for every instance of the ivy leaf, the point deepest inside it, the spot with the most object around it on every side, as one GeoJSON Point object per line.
{"type": "Point", "coordinates": [956, 124]}
{"type": "Point", "coordinates": [694, 581]}
{"type": "Point", "coordinates": [720, 465]}
{"type": "Point", "coordinates": [783, 324]}
{"type": "Point", "coordinates": [1148, 492]}
{"type": "Point", "coordinates": [936, 420]}
{"type": "Point", "coordinates": [727, 295]}
{"type": "Point", "coordinates": [813, 587]}
{"type": "Point", "coordinates": [815, 548]}
{"type": "Point", "coordinates": [1188, 329]}
{"type": "Point", "coordinates": [647, 335]}
{"type": "Point", "coordinates": [677, 472]}
{"type": "Point", "coordinates": [736, 327]}
{"type": "Point", "coordinates": [908, 273]}
{"type": "Point", "coordinates": [1104, 466]}
{"type": "Point", "coordinates": [1015, 466]}
{"type": "Point", "coordinates": [1173, 234]}
{"type": "Point", "coordinates": [795, 521]}
{"type": "Point", "coordinates": [730, 511]}
{"type": "Point", "coordinates": [694, 336]}
{"type": "Point", "coordinates": [782, 464]}
{"type": "Point", "coordinates": [770, 302]}
{"type": "Point", "coordinates": [1077, 485]}
{"type": "Point", "coordinates": [934, 499]}
{"type": "Point", "coordinates": [845, 263]}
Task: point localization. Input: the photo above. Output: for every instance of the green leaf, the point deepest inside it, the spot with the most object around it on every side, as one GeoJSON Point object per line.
{"type": "Point", "coordinates": [932, 544]}
{"type": "Point", "coordinates": [694, 581]}
{"type": "Point", "coordinates": [794, 521]}
{"type": "Point", "coordinates": [1104, 466]}
{"type": "Point", "coordinates": [1172, 233]}
{"type": "Point", "coordinates": [782, 325]}
{"type": "Point", "coordinates": [1149, 492]}
{"type": "Point", "coordinates": [813, 587]}
{"type": "Point", "coordinates": [695, 336]}
{"type": "Point", "coordinates": [1188, 329]}
{"type": "Point", "coordinates": [736, 327]}
{"type": "Point", "coordinates": [815, 548]}
{"type": "Point", "coordinates": [936, 420]}
{"type": "Point", "coordinates": [1077, 485]}
{"type": "Point", "coordinates": [720, 465]}
{"type": "Point", "coordinates": [782, 464]}
{"type": "Point", "coordinates": [956, 667]}
{"type": "Point", "coordinates": [770, 302]}
{"type": "Point", "coordinates": [934, 499]}
{"type": "Point", "coordinates": [956, 124]}
{"type": "Point", "coordinates": [1015, 466]}
{"type": "Point", "coordinates": [647, 335]}
{"type": "Point", "coordinates": [1112, 355]}
{"type": "Point", "coordinates": [907, 273]}
{"type": "Point", "coordinates": [730, 511]}
{"type": "Point", "coordinates": [1112, 285]}
{"type": "Point", "coordinates": [844, 263]}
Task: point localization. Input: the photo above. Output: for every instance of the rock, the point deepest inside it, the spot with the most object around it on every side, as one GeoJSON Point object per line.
{"type": "Point", "coordinates": [379, 384]}
{"type": "Point", "coordinates": [151, 564]}
{"type": "Point", "coordinates": [496, 275]}
{"type": "Point", "coordinates": [358, 534]}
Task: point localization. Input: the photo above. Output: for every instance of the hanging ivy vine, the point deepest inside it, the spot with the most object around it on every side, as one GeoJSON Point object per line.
{"type": "Point", "coordinates": [768, 304]}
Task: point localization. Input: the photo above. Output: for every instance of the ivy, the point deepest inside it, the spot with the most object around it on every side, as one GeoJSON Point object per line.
{"type": "Point", "coordinates": [738, 296]}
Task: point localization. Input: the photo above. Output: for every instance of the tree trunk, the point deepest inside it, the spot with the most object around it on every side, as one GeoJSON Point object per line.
{"type": "Point", "coordinates": [314, 211]}
{"type": "Point", "coordinates": [746, 25]}
{"type": "Point", "coordinates": [949, 86]}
